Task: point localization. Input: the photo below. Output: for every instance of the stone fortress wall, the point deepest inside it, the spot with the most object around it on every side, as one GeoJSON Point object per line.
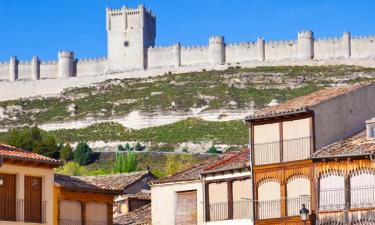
{"type": "Point", "coordinates": [131, 50]}
{"type": "Point", "coordinates": [217, 52]}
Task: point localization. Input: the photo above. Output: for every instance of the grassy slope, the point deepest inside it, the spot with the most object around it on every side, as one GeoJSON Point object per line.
{"type": "Point", "coordinates": [245, 86]}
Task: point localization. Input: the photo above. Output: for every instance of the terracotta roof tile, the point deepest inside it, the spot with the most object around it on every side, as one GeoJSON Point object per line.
{"type": "Point", "coordinates": [141, 216]}
{"type": "Point", "coordinates": [236, 161]}
{"type": "Point", "coordinates": [303, 103]}
{"type": "Point", "coordinates": [10, 152]}
{"type": "Point", "coordinates": [228, 161]}
{"type": "Point", "coordinates": [76, 183]}
{"type": "Point", "coordinates": [356, 145]}
{"type": "Point", "coordinates": [142, 195]}
{"type": "Point", "coordinates": [116, 181]}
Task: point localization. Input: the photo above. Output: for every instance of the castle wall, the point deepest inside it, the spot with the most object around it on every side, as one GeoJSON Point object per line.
{"type": "Point", "coordinates": [280, 50]}
{"type": "Point", "coordinates": [363, 47]}
{"type": "Point", "coordinates": [48, 69]}
{"type": "Point", "coordinates": [4, 71]}
{"type": "Point", "coordinates": [195, 55]}
{"type": "Point", "coordinates": [90, 67]}
{"type": "Point", "coordinates": [241, 52]}
{"type": "Point", "coordinates": [164, 56]}
{"type": "Point", "coordinates": [328, 48]}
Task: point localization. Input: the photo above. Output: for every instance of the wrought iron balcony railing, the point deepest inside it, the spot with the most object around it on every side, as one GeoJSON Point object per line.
{"type": "Point", "coordinates": [229, 210]}
{"type": "Point", "coordinates": [18, 212]}
{"type": "Point", "coordinates": [282, 151]}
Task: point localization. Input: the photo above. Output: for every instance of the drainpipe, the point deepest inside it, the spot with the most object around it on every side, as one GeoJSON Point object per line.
{"type": "Point", "coordinates": [252, 200]}
{"type": "Point", "coordinates": [204, 198]}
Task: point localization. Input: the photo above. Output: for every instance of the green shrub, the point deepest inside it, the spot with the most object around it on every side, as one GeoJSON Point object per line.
{"type": "Point", "coordinates": [125, 162]}
{"type": "Point", "coordinates": [83, 154]}
{"type": "Point", "coordinates": [213, 150]}
{"type": "Point", "coordinates": [66, 153]}
{"type": "Point", "coordinates": [138, 147]}
{"type": "Point", "coordinates": [120, 148]}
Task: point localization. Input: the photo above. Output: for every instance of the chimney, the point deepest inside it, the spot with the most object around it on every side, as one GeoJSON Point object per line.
{"type": "Point", "coordinates": [370, 129]}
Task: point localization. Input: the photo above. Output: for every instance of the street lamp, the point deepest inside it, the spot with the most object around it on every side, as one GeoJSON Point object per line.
{"type": "Point", "coordinates": [304, 213]}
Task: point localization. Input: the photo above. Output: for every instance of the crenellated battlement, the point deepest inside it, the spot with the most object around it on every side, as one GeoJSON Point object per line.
{"type": "Point", "coordinates": [216, 40]}
{"type": "Point", "coordinates": [305, 34]}
{"type": "Point", "coordinates": [99, 59]}
{"type": "Point", "coordinates": [66, 54]}
{"type": "Point", "coordinates": [131, 47]}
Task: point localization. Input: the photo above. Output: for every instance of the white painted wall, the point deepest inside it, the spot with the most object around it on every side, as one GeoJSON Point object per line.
{"type": "Point", "coordinates": [163, 198]}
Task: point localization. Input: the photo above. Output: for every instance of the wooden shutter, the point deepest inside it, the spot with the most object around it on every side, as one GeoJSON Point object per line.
{"type": "Point", "coordinates": [186, 208]}
{"type": "Point", "coordinates": [96, 213]}
{"type": "Point", "coordinates": [33, 199]}
{"type": "Point", "coordinates": [8, 197]}
{"type": "Point", "coordinates": [70, 213]}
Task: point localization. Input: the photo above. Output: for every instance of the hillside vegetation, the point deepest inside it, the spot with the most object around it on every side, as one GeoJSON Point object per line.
{"type": "Point", "coordinates": [234, 88]}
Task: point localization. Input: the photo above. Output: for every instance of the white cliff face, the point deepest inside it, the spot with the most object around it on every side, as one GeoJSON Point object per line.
{"type": "Point", "coordinates": [139, 120]}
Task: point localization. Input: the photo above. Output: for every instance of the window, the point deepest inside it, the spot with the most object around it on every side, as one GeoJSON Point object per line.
{"type": "Point", "coordinates": [371, 130]}
{"type": "Point", "coordinates": [186, 207]}
{"type": "Point", "coordinates": [126, 43]}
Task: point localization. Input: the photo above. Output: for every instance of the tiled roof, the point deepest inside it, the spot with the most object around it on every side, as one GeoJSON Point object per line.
{"type": "Point", "coordinates": [356, 145]}
{"type": "Point", "coordinates": [10, 152]}
{"type": "Point", "coordinates": [302, 104]}
{"type": "Point", "coordinates": [141, 216]}
{"type": "Point", "coordinates": [236, 161]}
{"type": "Point", "coordinates": [142, 195]}
{"type": "Point", "coordinates": [116, 181]}
{"type": "Point", "coordinates": [228, 161]}
{"type": "Point", "coordinates": [76, 183]}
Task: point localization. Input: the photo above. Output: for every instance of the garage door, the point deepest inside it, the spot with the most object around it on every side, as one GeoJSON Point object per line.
{"type": "Point", "coordinates": [70, 213]}
{"type": "Point", "coordinates": [186, 208]}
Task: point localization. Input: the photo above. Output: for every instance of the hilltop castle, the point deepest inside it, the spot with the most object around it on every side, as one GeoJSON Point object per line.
{"type": "Point", "coordinates": [131, 47]}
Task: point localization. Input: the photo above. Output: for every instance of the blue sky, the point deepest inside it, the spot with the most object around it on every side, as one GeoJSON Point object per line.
{"type": "Point", "coordinates": [43, 27]}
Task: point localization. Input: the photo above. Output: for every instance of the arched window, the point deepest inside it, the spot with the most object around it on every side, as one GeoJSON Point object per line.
{"type": "Point", "coordinates": [332, 192]}
{"type": "Point", "coordinates": [269, 204]}
{"type": "Point", "coordinates": [362, 189]}
{"type": "Point", "coordinates": [298, 193]}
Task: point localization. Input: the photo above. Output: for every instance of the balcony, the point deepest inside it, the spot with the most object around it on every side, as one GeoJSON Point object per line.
{"type": "Point", "coordinates": [16, 212]}
{"type": "Point", "coordinates": [282, 151]}
{"type": "Point", "coordinates": [334, 199]}
{"type": "Point", "coordinates": [229, 210]}
{"type": "Point", "coordinates": [273, 208]}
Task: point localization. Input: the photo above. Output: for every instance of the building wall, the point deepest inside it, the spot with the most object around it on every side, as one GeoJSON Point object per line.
{"type": "Point", "coordinates": [164, 56]}
{"type": "Point", "coordinates": [194, 55]}
{"type": "Point", "coordinates": [280, 50]}
{"type": "Point", "coordinates": [343, 116]}
{"type": "Point", "coordinates": [47, 175]}
{"type": "Point", "coordinates": [163, 198]}
{"type": "Point", "coordinates": [60, 193]}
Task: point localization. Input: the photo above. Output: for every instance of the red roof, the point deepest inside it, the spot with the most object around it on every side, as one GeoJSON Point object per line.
{"type": "Point", "coordinates": [10, 152]}
{"type": "Point", "coordinates": [228, 161]}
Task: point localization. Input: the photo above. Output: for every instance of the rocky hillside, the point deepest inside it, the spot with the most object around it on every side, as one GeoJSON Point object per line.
{"type": "Point", "coordinates": [159, 110]}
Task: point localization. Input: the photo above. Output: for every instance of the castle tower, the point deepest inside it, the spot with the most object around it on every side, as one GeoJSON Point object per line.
{"type": "Point", "coordinates": [129, 32]}
{"type": "Point", "coordinates": [13, 68]}
{"type": "Point", "coordinates": [216, 50]}
{"type": "Point", "coordinates": [305, 45]}
{"type": "Point", "coordinates": [66, 64]}
{"type": "Point", "coordinates": [261, 49]}
{"type": "Point", "coordinates": [177, 52]}
{"type": "Point", "coordinates": [35, 68]}
{"type": "Point", "coordinates": [346, 45]}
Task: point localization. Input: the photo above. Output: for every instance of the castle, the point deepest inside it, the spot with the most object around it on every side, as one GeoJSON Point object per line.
{"type": "Point", "coordinates": [131, 47]}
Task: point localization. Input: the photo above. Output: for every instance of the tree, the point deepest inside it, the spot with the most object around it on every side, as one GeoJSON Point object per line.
{"type": "Point", "coordinates": [213, 150]}
{"type": "Point", "coordinates": [34, 140]}
{"type": "Point", "coordinates": [120, 148]}
{"type": "Point", "coordinates": [83, 154]}
{"type": "Point", "coordinates": [125, 162]}
{"type": "Point", "coordinates": [72, 169]}
{"type": "Point", "coordinates": [66, 153]}
{"type": "Point", "coordinates": [138, 147]}
{"type": "Point", "coordinates": [127, 147]}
